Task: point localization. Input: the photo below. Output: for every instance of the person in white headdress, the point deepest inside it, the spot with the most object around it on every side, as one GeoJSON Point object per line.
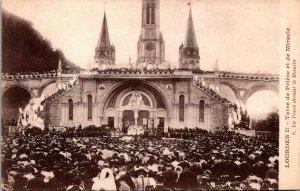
{"type": "Point", "coordinates": [105, 180]}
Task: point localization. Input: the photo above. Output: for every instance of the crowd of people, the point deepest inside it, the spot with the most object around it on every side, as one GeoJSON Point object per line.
{"type": "Point", "coordinates": [50, 160]}
{"type": "Point", "coordinates": [126, 69]}
{"type": "Point", "coordinates": [210, 91]}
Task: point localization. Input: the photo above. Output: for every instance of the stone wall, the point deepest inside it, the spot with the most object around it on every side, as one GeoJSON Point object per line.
{"type": "Point", "coordinates": [52, 114]}
{"type": "Point", "coordinates": [216, 114]}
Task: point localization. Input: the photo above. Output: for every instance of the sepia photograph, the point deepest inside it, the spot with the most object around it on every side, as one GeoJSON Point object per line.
{"type": "Point", "coordinates": [147, 95]}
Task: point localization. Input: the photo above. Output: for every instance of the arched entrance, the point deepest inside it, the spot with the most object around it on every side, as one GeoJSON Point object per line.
{"type": "Point", "coordinates": [12, 99]}
{"type": "Point", "coordinates": [136, 107]}
{"type": "Point", "coordinates": [135, 103]}
{"type": "Point", "coordinates": [128, 118]}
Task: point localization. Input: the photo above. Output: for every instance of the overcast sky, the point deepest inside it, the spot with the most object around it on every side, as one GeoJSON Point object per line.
{"type": "Point", "coordinates": [241, 34]}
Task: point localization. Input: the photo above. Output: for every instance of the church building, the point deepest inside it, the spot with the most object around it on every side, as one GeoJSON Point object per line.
{"type": "Point", "coordinates": [141, 97]}
{"type": "Point", "coordinates": [151, 45]}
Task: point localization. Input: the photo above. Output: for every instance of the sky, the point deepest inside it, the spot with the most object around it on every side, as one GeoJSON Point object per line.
{"type": "Point", "coordinates": [242, 35]}
{"type": "Point", "coordinates": [261, 103]}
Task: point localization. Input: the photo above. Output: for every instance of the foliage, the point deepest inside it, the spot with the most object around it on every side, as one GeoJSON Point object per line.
{"type": "Point", "coordinates": [270, 123]}
{"type": "Point", "coordinates": [25, 49]}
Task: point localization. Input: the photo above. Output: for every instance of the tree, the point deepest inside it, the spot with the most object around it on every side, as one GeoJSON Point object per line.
{"type": "Point", "coordinates": [24, 49]}
{"type": "Point", "coordinates": [273, 121]}
{"type": "Point", "coordinates": [270, 123]}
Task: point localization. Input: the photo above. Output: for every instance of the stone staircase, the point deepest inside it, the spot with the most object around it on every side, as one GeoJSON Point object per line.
{"type": "Point", "coordinates": [211, 93]}
{"type": "Point", "coordinates": [59, 93]}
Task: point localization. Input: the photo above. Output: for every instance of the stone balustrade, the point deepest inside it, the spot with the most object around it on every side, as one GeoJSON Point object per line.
{"type": "Point", "coordinates": [29, 76]}
{"type": "Point", "coordinates": [212, 93]}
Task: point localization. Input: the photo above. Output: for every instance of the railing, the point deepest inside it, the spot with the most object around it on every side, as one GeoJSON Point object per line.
{"type": "Point", "coordinates": [250, 76]}
{"type": "Point", "coordinates": [59, 93]}
{"type": "Point", "coordinates": [212, 93]}
{"type": "Point", "coordinates": [128, 71]}
{"type": "Point", "coordinates": [29, 76]}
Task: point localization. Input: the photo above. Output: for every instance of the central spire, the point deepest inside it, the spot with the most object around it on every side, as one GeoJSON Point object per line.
{"type": "Point", "coordinates": [151, 44]}
{"type": "Point", "coordinates": [104, 35]}
{"type": "Point", "coordinates": [190, 38]}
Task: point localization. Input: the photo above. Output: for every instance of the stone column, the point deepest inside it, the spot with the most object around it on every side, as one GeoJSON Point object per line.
{"type": "Point", "coordinates": [136, 115]}
{"type": "Point", "coordinates": [207, 116]}
{"type": "Point", "coordinates": [151, 119]}
{"type": "Point", "coordinates": [156, 120]}
{"type": "Point", "coordinates": [120, 118]}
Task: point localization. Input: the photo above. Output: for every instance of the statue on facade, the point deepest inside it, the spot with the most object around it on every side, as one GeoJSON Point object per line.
{"type": "Point", "coordinates": [136, 100]}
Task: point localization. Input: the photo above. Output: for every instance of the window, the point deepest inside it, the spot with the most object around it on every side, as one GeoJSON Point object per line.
{"type": "Point", "coordinates": [90, 106]}
{"type": "Point", "coordinates": [153, 14]}
{"type": "Point", "coordinates": [148, 14]}
{"type": "Point", "coordinates": [201, 110]}
{"type": "Point", "coordinates": [181, 108]}
{"type": "Point", "coordinates": [70, 104]}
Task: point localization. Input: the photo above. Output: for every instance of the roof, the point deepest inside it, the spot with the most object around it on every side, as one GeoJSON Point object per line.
{"type": "Point", "coordinates": [104, 35]}
{"type": "Point", "coordinates": [190, 38]}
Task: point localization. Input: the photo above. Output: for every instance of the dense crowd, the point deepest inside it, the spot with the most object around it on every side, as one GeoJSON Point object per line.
{"type": "Point", "coordinates": [125, 69]}
{"type": "Point", "coordinates": [210, 91]}
{"type": "Point", "coordinates": [49, 160]}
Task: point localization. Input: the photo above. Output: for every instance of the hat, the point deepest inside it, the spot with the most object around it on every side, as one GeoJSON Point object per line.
{"type": "Point", "coordinates": [204, 177]}
{"type": "Point", "coordinates": [77, 180]}
{"type": "Point", "coordinates": [13, 173]}
{"type": "Point", "coordinates": [178, 168]}
{"type": "Point", "coordinates": [159, 177]}
{"type": "Point", "coordinates": [207, 172]}
{"type": "Point", "coordinates": [14, 150]}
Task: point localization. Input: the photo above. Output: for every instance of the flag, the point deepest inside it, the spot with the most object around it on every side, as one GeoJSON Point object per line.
{"type": "Point", "coordinates": [189, 2]}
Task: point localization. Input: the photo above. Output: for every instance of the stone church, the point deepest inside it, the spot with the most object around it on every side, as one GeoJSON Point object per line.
{"type": "Point", "coordinates": [141, 97]}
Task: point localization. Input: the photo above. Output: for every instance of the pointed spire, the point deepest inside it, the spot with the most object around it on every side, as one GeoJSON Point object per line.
{"type": "Point", "coordinates": [104, 35]}
{"type": "Point", "coordinates": [190, 38]}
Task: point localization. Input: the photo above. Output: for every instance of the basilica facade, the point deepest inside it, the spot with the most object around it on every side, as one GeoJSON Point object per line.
{"type": "Point", "coordinates": [140, 97]}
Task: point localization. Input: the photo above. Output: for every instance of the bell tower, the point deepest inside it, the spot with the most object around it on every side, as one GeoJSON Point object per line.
{"type": "Point", "coordinates": [105, 53]}
{"type": "Point", "coordinates": [189, 57]}
{"type": "Point", "coordinates": [151, 45]}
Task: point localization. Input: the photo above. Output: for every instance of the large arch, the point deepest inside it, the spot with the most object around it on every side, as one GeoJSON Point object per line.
{"type": "Point", "coordinates": [268, 102]}
{"type": "Point", "coordinates": [258, 87]}
{"type": "Point", "coordinates": [48, 88]}
{"type": "Point", "coordinates": [14, 98]}
{"type": "Point", "coordinates": [128, 85]}
{"type": "Point", "coordinates": [13, 85]}
{"type": "Point", "coordinates": [230, 90]}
